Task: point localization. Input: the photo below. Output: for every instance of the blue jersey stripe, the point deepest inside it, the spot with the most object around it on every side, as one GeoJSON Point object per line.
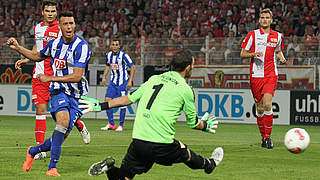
{"type": "Point", "coordinates": [64, 57]}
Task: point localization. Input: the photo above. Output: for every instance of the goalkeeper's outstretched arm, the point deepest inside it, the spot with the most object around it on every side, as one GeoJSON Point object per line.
{"type": "Point", "coordinates": [91, 104]}
{"type": "Point", "coordinates": [117, 102]}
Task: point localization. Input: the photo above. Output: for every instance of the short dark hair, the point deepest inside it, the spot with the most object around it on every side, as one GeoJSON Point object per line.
{"type": "Point", "coordinates": [181, 60]}
{"type": "Point", "coordinates": [66, 14]}
{"type": "Point", "coordinates": [49, 3]}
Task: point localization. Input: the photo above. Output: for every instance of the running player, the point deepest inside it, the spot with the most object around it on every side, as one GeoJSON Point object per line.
{"type": "Point", "coordinates": [69, 57]}
{"type": "Point", "coordinates": [263, 46]}
{"type": "Point", "coordinates": [45, 31]}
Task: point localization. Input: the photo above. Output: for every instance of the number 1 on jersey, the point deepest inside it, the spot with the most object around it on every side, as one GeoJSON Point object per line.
{"type": "Point", "coordinates": [154, 95]}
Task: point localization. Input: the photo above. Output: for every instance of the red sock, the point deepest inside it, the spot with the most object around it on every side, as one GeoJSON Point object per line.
{"type": "Point", "coordinates": [40, 129]}
{"type": "Point", "coordinates": [79, 125]}
{"type": "Point", "coordinates": [261, 125]}
{"type": "Point", "coordinates": [268, 121]}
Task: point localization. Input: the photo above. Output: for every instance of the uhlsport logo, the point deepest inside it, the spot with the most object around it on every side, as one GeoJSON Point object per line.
{"type": "Point", "coordinates": [305, 107]}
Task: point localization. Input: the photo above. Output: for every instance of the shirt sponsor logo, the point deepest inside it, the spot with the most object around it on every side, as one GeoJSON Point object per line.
{"type": "Point", "coordinates": [114, 66]}
{"type": "Point", "coordinates": [274, 40]}
{"type": "Point", "coordinates": [267, 44]}
{"type": "Point", "coordinates": [53, 34]}
{"type": "Point", "coordinates": [60, 64]}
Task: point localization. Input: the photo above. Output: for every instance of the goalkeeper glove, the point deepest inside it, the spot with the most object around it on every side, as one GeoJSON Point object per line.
{"type": "Point", "coordinates": [210, 123]}
{"type": "Point", "coordinates": [89, 104]}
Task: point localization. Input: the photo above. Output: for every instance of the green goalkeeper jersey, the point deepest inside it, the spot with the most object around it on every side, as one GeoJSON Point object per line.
{"type": "Point", "coordinates": [161, 100]}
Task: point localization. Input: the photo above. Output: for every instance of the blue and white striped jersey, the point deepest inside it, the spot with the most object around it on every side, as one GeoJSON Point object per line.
{"type": "Point", "coordinates": [64, 57]}
{"type": "Point", "coordinates": [119, 64]}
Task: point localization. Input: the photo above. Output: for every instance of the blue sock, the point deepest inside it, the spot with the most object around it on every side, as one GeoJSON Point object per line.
{"type": "Point", "coordinates": [122, 116]}
{"type": "Point", "coordinates": [110, 116]}
{"type": "Point", "coordinates": [57, 140]}
{"type": "Point", "coordinates": [44, 147]}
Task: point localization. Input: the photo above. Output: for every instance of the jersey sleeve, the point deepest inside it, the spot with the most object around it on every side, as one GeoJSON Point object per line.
{"type": "Point", "coordinates": [128, 60]}
{"type": "Point", "coordinates": [247, 42]}
{"type": "Point", "coordinates": [81, 55]}
{"type": "Point", "coordinates": [136, 95]}
{"type": "Point", "coordinates": [280, 46]}
{"type": "Point", "coordinates": [46, 51]}
{"type": "Point", "coordinates": [189, 108]}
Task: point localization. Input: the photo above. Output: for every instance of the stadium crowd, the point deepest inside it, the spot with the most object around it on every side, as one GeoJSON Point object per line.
{"type": "Point", "coordinates": [162, 27]}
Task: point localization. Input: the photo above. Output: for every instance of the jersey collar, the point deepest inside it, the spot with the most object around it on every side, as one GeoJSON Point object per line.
{"type": "Point", "coordinates": [55, 22]}
{"type": "Point", "coordinates": [271, 31]}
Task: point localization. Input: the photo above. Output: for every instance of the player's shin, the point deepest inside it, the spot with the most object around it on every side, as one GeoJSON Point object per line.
{"type": "Point", "coordinates": [122, 115]}
{"type": "Point", "coordinates": [79, 125]}
{"type": "Point", "coordinates": [268, 121]}
{"type": "Point", "coordinates": [40, 128]}
{"type": "Point", "coordinates": [44, 147]}
{"type": "Point", "coordinates": [110, 116]}
{"type": "Point", "coordinates": [57, 140]}
{"type": "Point", "coordinates": [260, 124]}
{"type": "Point", "coordinates": [196, 161]}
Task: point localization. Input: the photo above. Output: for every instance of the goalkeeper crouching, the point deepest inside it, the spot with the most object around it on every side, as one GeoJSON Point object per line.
{"type": "Point", "coordinates": [161, 100]}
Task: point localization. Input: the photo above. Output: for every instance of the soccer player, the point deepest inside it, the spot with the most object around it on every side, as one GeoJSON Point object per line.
{"type": "Point", "coordinates": [263, 46]}
{"type": "Point", "coordinates": [47, 30]}
{"type": "Point", "coordinates": [120, 81]}
{"type": "Point", "coordinates": [69, 57]}
{"type": "Point", "coordinates": [161, 100]}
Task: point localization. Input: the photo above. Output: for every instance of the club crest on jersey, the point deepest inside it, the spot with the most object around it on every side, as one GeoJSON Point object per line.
{"type": "Point", "coordinates": [53, 34]}
{"type": "Point", "coordinates": [114, 66]}
{"type": "Point", "coordinates": [274, 40]}
{"type": "Point", "coordinates": [60, 64]}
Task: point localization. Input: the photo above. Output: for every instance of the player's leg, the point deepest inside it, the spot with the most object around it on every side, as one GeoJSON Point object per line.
{"type": "Point", "coordinates": [40, 97]}
{"type": "Point", "coordinates": [268, 91]}
{"type": "Point", "coordinates": [256, 89]}
{"type": "Point", "coordinates": [268, 118]}
{"type": "Point", "coordinates": [123, 92]}
{"type": "Point", "coordinates": [180, 153]}
{"type": "Point", "coordinates": [110, 93]}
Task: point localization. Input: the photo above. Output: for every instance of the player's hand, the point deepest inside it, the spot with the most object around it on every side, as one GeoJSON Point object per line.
{"type": "Point", "coordinates": [13, 43]}
{"type": "Point", "coordinates": [43, 78]}
{"type": "Point", "coordinates": [103, 82]}
{"type": "Point", "coordinates": [129, 85]}
{"type": "Point", "coordinates": [89, 104]}
{"type": "Point", "coordinates": [283, 60]}
{"type": "Point", "coordinates": [21, 62]}
{"type": "Point", "coordinates": [258, 54]}
{"type": "Point", "coordinates": [212, 122]}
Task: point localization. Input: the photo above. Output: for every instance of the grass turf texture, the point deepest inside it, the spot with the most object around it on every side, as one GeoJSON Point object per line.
{"type": "Point", "coordinates": [244, 158]}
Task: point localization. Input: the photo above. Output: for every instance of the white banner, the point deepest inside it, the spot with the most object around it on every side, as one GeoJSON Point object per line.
{"type": "Point", "coordinates": [296, 77]}
{"type": "Point", "coordinates": [228, 105]}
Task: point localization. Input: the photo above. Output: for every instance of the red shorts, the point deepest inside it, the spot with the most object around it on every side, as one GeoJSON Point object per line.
{"type": "Point", "coordinates": [260, 86]}
{"type": "Point", "coordinates": [40, 92]}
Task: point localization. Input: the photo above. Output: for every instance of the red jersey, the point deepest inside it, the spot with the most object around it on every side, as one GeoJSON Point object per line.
{"type": "Point", "coordinates": [43, 34]}
{"type": "Point", "coordinates": [268, 44]}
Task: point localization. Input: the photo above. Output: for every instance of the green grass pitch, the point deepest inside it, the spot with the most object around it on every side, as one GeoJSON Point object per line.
{"type": "Point", "coordinates": [244, 158]}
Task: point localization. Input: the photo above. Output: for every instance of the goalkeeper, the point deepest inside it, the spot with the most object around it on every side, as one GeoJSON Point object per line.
{"type": "Point", "coordinates": [161, 100]}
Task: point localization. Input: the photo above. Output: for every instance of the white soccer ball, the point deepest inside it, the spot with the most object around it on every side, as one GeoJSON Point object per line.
{"type": "Point", "coordinates": [296, 140]}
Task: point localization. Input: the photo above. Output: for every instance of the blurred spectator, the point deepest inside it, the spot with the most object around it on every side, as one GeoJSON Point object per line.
{"type": "Point", "coordinates": [294, 44]}
{"type": "Point", "coordinates": [292, 58]}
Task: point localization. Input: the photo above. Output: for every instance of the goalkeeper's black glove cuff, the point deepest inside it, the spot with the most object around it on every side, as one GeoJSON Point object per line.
{"type": "Point", "coordinates": [205, 124]}
{"type": "Point", "coordinates": [104, 106]}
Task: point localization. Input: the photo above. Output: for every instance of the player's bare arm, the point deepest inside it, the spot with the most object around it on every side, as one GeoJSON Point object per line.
{"type": "Point", "coordinates": [281, 57]}
{"type": "Point", "coordinates": [71, 78]}
{"type": "Point", "coordinates": [132, 71]}
{"type": "Point", "coordinates": [34, 56]}
{"type": "Point", "coordinates": [24, 61]}
{"type": "Point", "coordinates": [246, 54]}
{"type": "Point", "coordinates": [105, 72]}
